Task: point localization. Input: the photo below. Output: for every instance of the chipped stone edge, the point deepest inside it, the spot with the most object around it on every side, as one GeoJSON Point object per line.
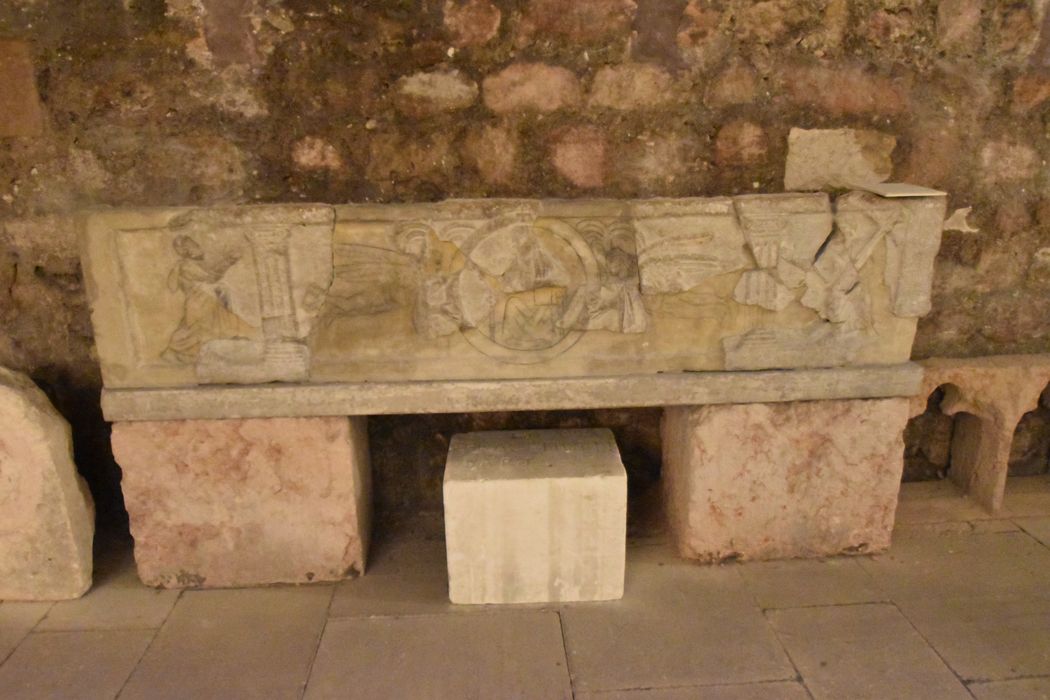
{"type": "Point", "coordinates": [630, 391]}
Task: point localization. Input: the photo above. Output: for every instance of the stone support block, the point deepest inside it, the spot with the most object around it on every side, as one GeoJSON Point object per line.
{"type": "Point", "coordinates": [47, 517]}
{"type": "Point", "coordinates": [773, 481]}
{"type": "Point", "coordinates": [535, 516]}
{"type": "Point", "coordinates": [988, 396]}
{"type": "Point", "coordinates": [217, 503]}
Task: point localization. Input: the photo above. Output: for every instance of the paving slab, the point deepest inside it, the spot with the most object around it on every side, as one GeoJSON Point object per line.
{"type": "Point", "coordinates": [16, 621]}
{"type": "Point", "coordinates": [84, 665]}
{"type": "Point", "coordinates": [962, 565]}
{"type": "Point", "coordinates": [249, 643]}
{"type": "Point", "coordinates": [1038, 528]}
{"type": "Point", "coordinates": [476, 655]}
{"type": "Point", "coordinates": [986, 639]}
{"type": "Point", "coordinates": [1019, 689]}
{"type": "Point", "coordinates": [863, 651]}
{"type": "Point", "coordinates": [1027, 496]}
{"type": "Point", "coordinates": [405, 577]}
{"type": "Point", "coordinates": [702, 620]}
{"type": "Point", "coordinates": [117, 605]}
{"type": "Point", "coordinates": [806, 582]}
{"type": "Point", "coordinates": [936, 502]}
{"type": "Point", "coordinates": [778, 690]}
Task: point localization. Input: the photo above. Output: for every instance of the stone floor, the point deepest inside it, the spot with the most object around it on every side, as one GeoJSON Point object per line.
{"type": "Point", "coordinates": [959, 608]}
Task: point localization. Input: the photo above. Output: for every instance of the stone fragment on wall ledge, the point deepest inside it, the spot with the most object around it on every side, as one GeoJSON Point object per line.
{"type": "Point", "coordinates": [47, 517]}
{"type": "Point", "coordinates": [499, 289]}
{"type": "Point", "coordinates": [820, 159]}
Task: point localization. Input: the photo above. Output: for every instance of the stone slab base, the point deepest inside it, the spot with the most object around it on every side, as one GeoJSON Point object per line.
{"type": "Point", "coordinates": [217, 503]}
{"type": "Point", "coordinates": [535, 516]}
{"type": "Point", "coordinates": [47, 517]}
{"type": "Point", "coordinates": [772, 481]}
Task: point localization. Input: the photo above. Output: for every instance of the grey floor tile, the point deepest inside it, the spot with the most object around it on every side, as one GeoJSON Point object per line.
{"type": "Point", "coordinates": [1027, 496]}
{"type": "Point", "coordinates": [510, 654]}
{"type": "Point", "coordinates": [83, 665]}
{"type": "Point", "coordinates": [777, 690]}
{"type": "Point", "coordinates": [863, 651]}
{"type": "Point", "coordinates": [1020, 689]}
{"type": "Point", "coordinates": [986, 639]}
{"type": "Point", "coordinates": [247, 643]}
{"type": "Point", "coordinates": [16, 621]}
{"type": "Point", "coordinates": [678, 624]}
{"type": "Point", "coordinates": [799, 583]}
{"type": "Point", "coordinates": [960, 565]}
{"type": "Point", "coordinates": [403, 578]}
{"type": "Point", "coordinates": [1039, 528]}
{"type": "Point", "coordinates": [936, 502]}
{"type": "Point", "coordinates": [112, 607]}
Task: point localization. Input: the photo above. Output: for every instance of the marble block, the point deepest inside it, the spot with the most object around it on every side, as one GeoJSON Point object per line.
{"type": "Point", "coordinates": [47, 517]}
{"type": "Point", "coordinates": [773, 481]}
{"type": "Point", "coordinates": [535, 516]}
{"type": "Point", "coordinates": [216, 503]}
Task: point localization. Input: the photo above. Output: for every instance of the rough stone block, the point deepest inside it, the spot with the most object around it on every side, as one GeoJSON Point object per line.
{"type": "Point", "coordinates": [217, 503]}
{"type": "Point", "coordinates": [535, 516]}
{"type": "Point", "coordinates": [772, 481]}
{"type": "Point", "coordinates": [21, 113]}
{"type": "Point", "coordinates": [829, 158]}
{"type": "Point", "coordinates": [47, 517]}
{"type": "Point", "coordinates": [988, 397]}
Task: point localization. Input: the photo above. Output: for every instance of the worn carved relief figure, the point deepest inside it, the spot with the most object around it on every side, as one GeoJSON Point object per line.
{"type": "Point", "coordinates": [509, 288]}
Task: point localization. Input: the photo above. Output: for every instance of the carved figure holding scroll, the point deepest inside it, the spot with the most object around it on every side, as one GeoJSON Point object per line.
{"type": "Point", "coordinates": [206, 312]}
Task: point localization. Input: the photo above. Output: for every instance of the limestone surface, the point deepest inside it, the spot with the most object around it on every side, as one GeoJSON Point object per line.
{"type": "Point", "coordinates": [246, 502]}
{"type": "Point", "coordinates": [47, 517]}
{"type": "Point", "coordinates": [820, 159]}
{"type": "Point", "coordinates": [535, 516]}
{"type": "Point", "coordinates": [508, 289]}
{"type": "Point", "coordinates": [773, 481]}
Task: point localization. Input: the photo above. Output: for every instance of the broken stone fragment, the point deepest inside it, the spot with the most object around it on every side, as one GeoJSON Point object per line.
{"type": "Point", "coordinates": [837, 158]}
{"type": "Point", "coordinates": [422, 94]}
{"type": "Point", "coordinates": [760, 288]}
{"type": "Point", "coordinates": [47, 517]}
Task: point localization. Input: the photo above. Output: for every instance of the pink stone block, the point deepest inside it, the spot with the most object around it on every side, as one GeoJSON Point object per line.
{"type": "Point", "coordinates": [217, 503]}
{"type": "Point", "coordinates": [781, 480]}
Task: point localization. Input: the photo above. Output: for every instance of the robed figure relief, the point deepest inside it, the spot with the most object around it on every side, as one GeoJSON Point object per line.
{"type": "Point", "coordinates": [206, 313]}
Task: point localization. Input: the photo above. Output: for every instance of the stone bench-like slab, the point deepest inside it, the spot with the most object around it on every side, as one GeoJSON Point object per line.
{"type": "Point", "coordinates": [535, 516]}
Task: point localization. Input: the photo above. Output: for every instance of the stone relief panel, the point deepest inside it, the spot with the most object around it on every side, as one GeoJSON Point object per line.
{"type": "Point", "coordinates": [507, 288]}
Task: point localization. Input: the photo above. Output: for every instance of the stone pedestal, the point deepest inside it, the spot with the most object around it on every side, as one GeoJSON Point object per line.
{"type": "Point", "coordinates": [217, 503]}
{"type": "Point", "coordinates": [770, 481]}
{"type": "Point", "coordinates": [535, 516]}
{"type": "Point", "coordinates": [47, 517]}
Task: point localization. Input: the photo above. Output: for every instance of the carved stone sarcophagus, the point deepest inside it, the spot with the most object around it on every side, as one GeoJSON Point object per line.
{"type": "Point", "coordinates": [507, 288]}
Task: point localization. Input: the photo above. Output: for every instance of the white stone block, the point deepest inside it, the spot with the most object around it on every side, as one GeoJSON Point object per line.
{"type": "Point", "coordinates": [47, 517]}
{"type": "Point", "coordinates": [535, 516]}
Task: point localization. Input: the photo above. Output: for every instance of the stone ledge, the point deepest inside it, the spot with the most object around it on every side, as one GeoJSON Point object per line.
{"type": "Point", "coordinates": [629, 391]}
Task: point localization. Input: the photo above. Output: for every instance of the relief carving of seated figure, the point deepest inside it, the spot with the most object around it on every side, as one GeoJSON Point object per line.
{"type": "Point", "coordinates": [206, 311]}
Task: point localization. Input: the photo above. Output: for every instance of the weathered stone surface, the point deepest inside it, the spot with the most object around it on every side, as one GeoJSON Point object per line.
{"type": "Point", "coordinates": [493, 151]}
{"type": "Point", "coordinates": [988, 396]}
{"type": "Point", "coordinates": [508, 288]}
{"type": "Point", "coordinates": [47, 517]}
{"type": "Point", "coordinates": [771, 481]}
{"type": "Point", "coordinates": [1030, 92]}
{"type": "Point", "coordinates": [372, 398]}
{"type": "Point", "coordinates": [471, 23]}
{"type": "Point", "coordinates": [246, 502]}
{"type": "Point", "coordinates": [843, 90]}
{"type": "Point", "coordinates": [314, 153]}
{"type": "Point", "coordinates": [737, 84]}
{"type": "Point", "coordinates": [21, 113]}
{"type": "Point", "coordinates": [579, 21]}
{"type": "Point", "coordinates": [535, 516]}
{"type": "Point", "coordinates": [631, 86]}
{"type": "Point", "coordinates": [422, 94]}
{"type": "Point", "coordinates": [578, 154]}
{"type": "Point", "coordinates": [1006, 162]}
{"type": "Point", "coordinates": [740, 143]}
{"type": "Point", "coordinates": [837, 158]}
{"type": "Point", "coordinates": [1039, 270]}
{"type": "Point", "coordinates": [536, 87]}
{"type": "Point", "coordinates": [959, 24]}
